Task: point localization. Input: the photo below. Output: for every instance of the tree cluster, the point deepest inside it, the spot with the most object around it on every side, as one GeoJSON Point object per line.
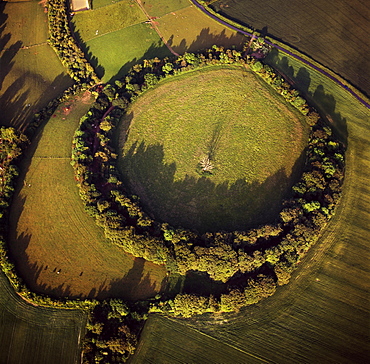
{"type": "Point", "coordinates": [112, 332]}
{"type": "Point", "coordinates": [65, 46]}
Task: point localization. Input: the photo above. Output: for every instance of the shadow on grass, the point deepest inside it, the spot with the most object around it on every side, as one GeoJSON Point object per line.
{"type": "Point", "coordinates": [199, 203]}
{"type": "Point", "coordinates": [206, 40]}
{"type": "Point", "coordinates": [324, 101]}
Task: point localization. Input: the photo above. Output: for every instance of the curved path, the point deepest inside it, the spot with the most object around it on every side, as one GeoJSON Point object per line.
{"type": "Point", "coordinates": [319, 69]}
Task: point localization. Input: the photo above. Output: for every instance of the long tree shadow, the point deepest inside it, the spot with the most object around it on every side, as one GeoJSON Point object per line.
{"type": "Point", "coordinates": [324, 101]}
{"type": "Point", "coordinates": [205, 39]}
{"type": "Point", "coordinates": [198, 202]}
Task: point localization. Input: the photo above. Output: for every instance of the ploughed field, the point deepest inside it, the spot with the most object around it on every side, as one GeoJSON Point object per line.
{"type": "Point", "coordinates": [333, 32]}
{"type": "Point", "coordinates": [251, 138]}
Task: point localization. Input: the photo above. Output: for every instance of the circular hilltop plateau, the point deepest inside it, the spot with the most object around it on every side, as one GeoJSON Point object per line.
{"type": "Point", "coordinates": [212, 149]}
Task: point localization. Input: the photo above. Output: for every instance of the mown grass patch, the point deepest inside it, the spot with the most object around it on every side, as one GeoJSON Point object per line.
{"type": "Point", "coordinates": [95, 23]}
{"type": "Point", "coordinates": [127, 47]}
{"type": "Point", "coordinates": [30, 72]}
{"type": "Point", "coordinates": [51, 232]}
{"type": "Point", "coordinates": [31, 334]}
{"type": "Point", "coordinates": [190, 30]}
{"type": "Point", "coordinates": [253, 140]}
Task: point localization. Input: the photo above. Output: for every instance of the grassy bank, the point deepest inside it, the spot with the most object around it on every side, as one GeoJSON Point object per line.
{"type": "Point", "coordinates": [48, 216]}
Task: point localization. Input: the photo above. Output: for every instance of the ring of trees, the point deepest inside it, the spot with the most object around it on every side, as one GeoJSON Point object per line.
{"type": "Point", "coordinates": [252, 263]}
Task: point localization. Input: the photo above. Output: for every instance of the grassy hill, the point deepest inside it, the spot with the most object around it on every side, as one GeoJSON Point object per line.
{"type": "Point", "coordinates": [254, 141]}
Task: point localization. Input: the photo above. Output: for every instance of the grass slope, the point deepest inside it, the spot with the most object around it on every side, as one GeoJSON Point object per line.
{"type": "Point", "coordinates": [254, 138]}
{"type": "Point", "coordinates": [26, 84]}
{"type": "Point", "coordinates": [323, 314]}
{"type": "Point", "coordinates": [31, 334]}
{"type": "Point", "coordinates": [48, 216]}
{"type": "Point", "coordinates": [334, 33]}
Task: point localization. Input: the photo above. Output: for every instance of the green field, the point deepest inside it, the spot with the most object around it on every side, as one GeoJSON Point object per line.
{"type": "Point", "coordinates": [255, 141]}
{"type": "Point", "coordinates": [114, 46]}
{"type": "Point", "coordinates": [48, 216]}
{"type": "Point", "coordinates": [322, 316]}
{"type": "Point", "coordinates": [334, 32]}
{"type": "Point", "coordinates": [129, 46]}
{"type": "Point", "coordinates": [26, 84]}
{"type": "Point", "coordinates": [30, 335]}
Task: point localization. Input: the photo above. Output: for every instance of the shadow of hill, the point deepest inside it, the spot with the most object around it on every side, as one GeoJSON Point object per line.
{"type": "Point", "coordinates": [199, 203]}
{"type": "Point", "coordinates": [324, 101]}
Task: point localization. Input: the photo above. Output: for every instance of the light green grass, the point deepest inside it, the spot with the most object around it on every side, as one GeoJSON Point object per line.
{"type": "Point", "coordinates": [30, 72]}
{"type": "Point", "coordinates": [51, 231]}
{"type": "Point", "coordinates": [323, 314]}
{"type": "Point", "coordinates": [107, 19]}
{"type": "Point", "coordinates": [159, 8]}
{"type": "Point", "coordinates": [254, 140]}
{"type": "Point", "coordinates": [31, 334]}
{"type": "Point", "coordinates": [127, 47]}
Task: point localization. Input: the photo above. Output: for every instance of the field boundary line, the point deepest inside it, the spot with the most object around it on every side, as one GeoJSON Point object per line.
{"type": "Point", "coordinates": [320, 68]}
{"type": "Point", "coordinates": [154, 25]}
{"type": "Point", "coordinates": [225, 343]}
{"type": "Point", "coordinates": [113, 31]}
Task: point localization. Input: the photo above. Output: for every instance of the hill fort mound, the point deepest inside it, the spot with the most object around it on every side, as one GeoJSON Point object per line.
{"type": "Point", "coordinates": [212, 149]}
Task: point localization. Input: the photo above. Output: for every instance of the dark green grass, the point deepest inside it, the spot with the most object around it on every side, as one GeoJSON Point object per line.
{"type": "Point", "coordinates": [30, 335]}
{"type": "Point", "coordinates": [253, 139]}
{"type": "Point", "coordinates": [334, 32]}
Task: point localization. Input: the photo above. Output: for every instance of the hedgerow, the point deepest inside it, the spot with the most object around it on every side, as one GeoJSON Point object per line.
{"type": "Point", "coordinates": [65, 46]}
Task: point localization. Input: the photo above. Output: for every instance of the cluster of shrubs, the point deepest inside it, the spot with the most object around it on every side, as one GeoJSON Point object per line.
{"type": "Point", "coordinates": [112, 332]}
{"type": "Point", "coordinates": [63, 43]}
{"type": "Point", "coordinates": [252, 263]}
